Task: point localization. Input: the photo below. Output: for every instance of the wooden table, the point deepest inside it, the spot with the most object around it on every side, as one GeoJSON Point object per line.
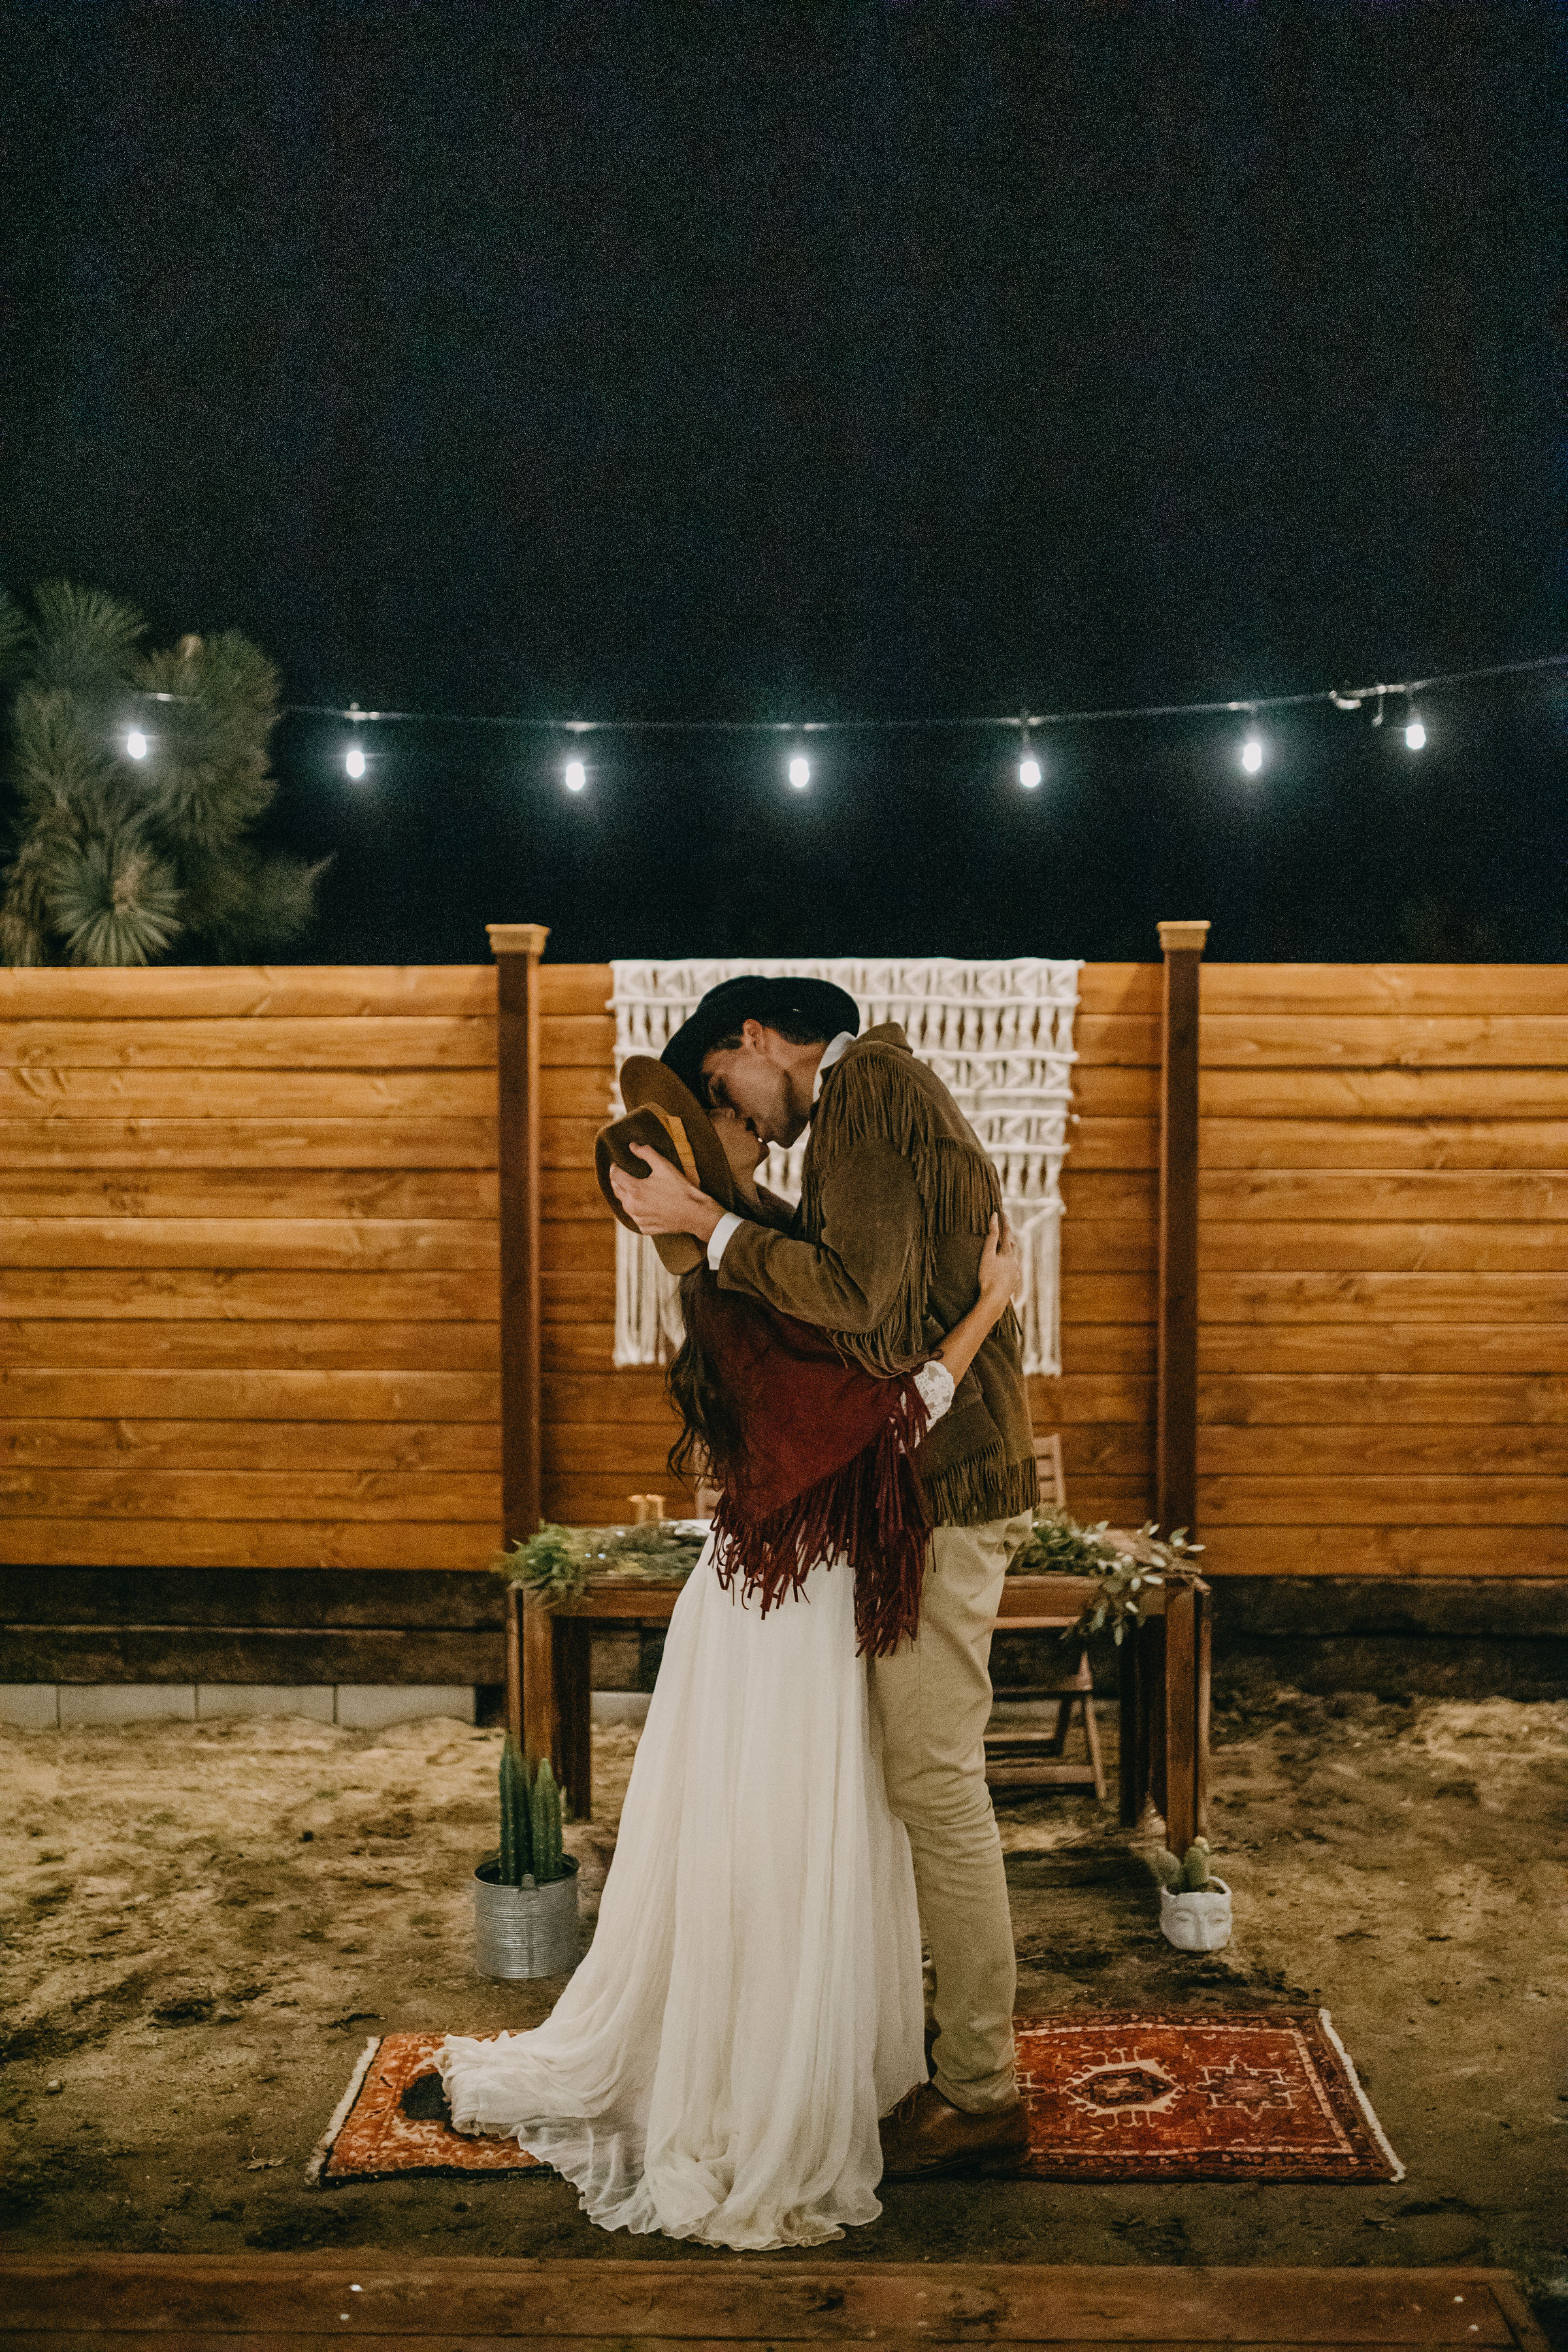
{"type": "Point", "coordinates": [1164, 1684]}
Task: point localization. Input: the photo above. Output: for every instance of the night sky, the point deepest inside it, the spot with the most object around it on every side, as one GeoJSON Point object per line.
{"type": "Point", "coordinates": [790, 361]}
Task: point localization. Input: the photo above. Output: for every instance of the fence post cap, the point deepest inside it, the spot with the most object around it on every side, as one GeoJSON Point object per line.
{"type": "Point", "coordinates": [517, 939]}
{"type": "Point", "coordinates": [1176, 936]}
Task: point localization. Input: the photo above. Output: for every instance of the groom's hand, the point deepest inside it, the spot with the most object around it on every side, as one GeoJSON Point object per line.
{"type": "Point", "coordinates": [662, 1202]}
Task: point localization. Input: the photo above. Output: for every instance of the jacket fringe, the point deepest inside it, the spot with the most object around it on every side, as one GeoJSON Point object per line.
{"type": "Point", "coordinates": [986, 1486]}
{"type": "Point", "coordinates": [872, 1095]}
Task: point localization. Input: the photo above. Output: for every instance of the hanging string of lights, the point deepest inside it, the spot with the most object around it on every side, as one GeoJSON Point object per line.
{"type": "Point", "coordinates": [1252, 752]}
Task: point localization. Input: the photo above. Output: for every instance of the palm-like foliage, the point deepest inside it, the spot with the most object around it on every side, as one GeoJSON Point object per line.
{"type": "Point", "coordinates": [115, 860]}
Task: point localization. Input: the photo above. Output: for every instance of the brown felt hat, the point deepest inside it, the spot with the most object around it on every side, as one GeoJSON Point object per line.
{"type": "Point", "coordinates": [663, 1115]}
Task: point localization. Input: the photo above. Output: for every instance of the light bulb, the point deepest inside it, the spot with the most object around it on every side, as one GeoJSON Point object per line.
{"type": "Point", "coordinates": [353, 760]}
{"type": "Point", "coordinates": [1028, 771]}
{"type": "Point", "coordinates": [1414, 734]}
{"type": "Point", "coordinates": [577, 775]}
{"type": "Point", "coordinates": [136, 744]}
{"type": "Point", "coordinates": [800, 771]}
{"type": "Point", "coordinates": [1252, 754]}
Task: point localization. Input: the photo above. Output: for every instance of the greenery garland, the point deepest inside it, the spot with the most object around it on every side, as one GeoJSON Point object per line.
{"type": "Point", "coordinates": [557, 1564]}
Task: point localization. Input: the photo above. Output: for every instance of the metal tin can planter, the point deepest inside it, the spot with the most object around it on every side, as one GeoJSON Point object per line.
{"type": "Point", "coordinates": [527, 1930]}
{"type": "Point", "coordinates": [1197, 1921]}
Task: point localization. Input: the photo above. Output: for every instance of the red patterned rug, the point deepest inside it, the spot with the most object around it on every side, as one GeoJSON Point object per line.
{"type": "Point", "coordinates": [1186, 2095]}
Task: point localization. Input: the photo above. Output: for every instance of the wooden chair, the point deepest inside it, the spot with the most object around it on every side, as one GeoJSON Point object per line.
{"type": "Point", "coordinates": [1036, 1759]}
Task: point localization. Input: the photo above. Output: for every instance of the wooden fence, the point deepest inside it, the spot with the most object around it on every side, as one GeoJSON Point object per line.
{"type": "Point", "coordinates": [248, 1254]}
{"type": "Point", "coordinates": [251, 1235]}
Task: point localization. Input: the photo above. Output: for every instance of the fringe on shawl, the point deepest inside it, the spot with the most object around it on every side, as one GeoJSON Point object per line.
{"type": "Point", "coordinates": [872, 1512]}
{"type": "Point", "coordinates": [873, 1094]}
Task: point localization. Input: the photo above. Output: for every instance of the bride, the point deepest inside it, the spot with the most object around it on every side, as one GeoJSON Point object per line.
{"type": "Point", "coordinates": [752, 2003]}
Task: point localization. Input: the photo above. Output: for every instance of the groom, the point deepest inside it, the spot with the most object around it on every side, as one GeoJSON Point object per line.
{"type": "Point", "coordinates": [883, 1253]}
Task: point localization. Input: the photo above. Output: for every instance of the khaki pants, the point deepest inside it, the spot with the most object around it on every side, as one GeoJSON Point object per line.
{"type": "Point", "coordinates": [930, 1701]}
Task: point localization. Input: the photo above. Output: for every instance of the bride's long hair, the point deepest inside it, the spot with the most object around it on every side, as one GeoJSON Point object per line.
{"type": "Point", "coordinates": [712, 1444]}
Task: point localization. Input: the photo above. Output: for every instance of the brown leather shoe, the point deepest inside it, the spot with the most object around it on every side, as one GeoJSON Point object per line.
{"type": "Point", "coordinates": [927, 2139]}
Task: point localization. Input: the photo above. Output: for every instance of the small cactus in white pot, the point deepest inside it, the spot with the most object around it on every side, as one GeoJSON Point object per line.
{"type": "Point", "coordinates": [525, 1894]}
{"type": "Point", "coordinates": [1195, 1906]}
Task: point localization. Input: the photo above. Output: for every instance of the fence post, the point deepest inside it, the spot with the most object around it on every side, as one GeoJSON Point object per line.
{"type": "Point", "coordinates": [517, 947]}
{"type": "Point", "coordinates": [1176, 1433]}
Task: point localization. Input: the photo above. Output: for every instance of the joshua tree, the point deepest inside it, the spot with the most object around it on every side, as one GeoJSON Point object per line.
{"type": "Point", "coordinates": [130, 816]}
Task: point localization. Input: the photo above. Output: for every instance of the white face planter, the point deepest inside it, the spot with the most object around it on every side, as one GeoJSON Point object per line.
{"type": "Point", "coordinates": [1197, 1921]}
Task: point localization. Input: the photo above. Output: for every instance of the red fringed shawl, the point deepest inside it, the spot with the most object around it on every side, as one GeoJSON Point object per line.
{"type": "Point", "coordinates": [829, 1471]}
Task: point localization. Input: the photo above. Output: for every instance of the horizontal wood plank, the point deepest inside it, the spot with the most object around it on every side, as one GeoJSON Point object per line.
{"type": "Point", "coordinates": [249, 2301]}
{"type": "Point", "coordinates": [292, 1658]}
{"type": "Point", "coordinates": [383, 1245]}
{"type": "Point", "coordinates": [1320, 1143]}
{"type": "Point", "coordinates": [251, 1396]}
{"type": "Point", "coordinates": [576, 1041]}
{"type": "Point", "coordinates": [568, 1193]}
{"type": "Point", "coordinates": [211, 1345]}
{"type": "Point", "coordinates": [193, 1294]}
{"type": "Point", "coordinates": [201, 1143]}
{"type": "Point", "coordinates": [1514, 1349]}
{"type": "Point", "coordinates": [1428, 991]}
{"type": "Point", "coordinates": [65, 1444]}
{"type": "Point", "coordinates": [33, 1491]}
{"type": "Point", "coordinates": [1454, 1400]}
{"type": "Point", "coordinates": [1419, 1094]}
{"type": "Point", "coordinates": [1372, 1196]}
{"type": "Point", "coordinates": [270, 1043]}
{"type": "Point", "coordinates": [400, 1193]}
{"type": "Point", "coordinates": [1383, 1450]}
{"type": "Point", "coordinates": [249, 992]}
{"type": "Point", "coordinates": [570, 989]}
{"type": "Point", "coordinates": [238, 1543]}
{"type": "Point", "coordinates": [1476, 1039]}
{"type": "Point", "coordinates": [1451, 1298]}
{"type": "Point", "coordinates": [219, 1095]}
{"type": "Point", "coordinates": [1352, 1501]}
{"type": "Point", "coordinates": [1391, 1551]}
{"type": "Point", "coordinates": [573, 1093]}
{"type": "Point", "coordinates": [1120, 987]}
{"type": "Point", "coordinates": [1265, 1247]}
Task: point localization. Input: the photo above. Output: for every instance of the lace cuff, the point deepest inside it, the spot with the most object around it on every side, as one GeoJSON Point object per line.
{"type": "Point", "coordinates": [936, 1384]}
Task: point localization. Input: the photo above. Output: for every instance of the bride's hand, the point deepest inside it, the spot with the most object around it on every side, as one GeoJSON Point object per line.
{"type": "Point", "coordinates": [1001, 1268]}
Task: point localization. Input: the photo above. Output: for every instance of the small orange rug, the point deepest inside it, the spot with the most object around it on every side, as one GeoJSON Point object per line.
{"type": "Point", "coordinates": [1186, 2094]}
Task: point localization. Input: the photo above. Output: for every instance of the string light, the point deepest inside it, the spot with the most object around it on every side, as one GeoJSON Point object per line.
{"type": "Point", "coordinates": [1253, 750]}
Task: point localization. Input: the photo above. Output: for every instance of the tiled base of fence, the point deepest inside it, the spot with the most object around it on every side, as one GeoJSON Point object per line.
{"type": "Point", "coordinates": [359, 1706]}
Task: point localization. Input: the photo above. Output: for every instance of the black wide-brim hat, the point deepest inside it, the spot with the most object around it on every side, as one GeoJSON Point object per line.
{"type": "Point", "coordinates": [752, 996]}
{"type": "Point", "coordinates": [663, 1115]}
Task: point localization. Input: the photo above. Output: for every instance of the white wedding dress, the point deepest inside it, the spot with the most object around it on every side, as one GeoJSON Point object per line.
{"type": "Point", "coordinates": [751, 2002]}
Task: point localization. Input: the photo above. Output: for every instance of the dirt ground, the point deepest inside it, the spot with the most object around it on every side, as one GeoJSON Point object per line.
{"type": "Point", "coordinates": [203, 1922]}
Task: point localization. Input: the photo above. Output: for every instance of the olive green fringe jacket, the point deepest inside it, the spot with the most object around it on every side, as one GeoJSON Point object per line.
{"type": "Point", "coordinates": [884, 1254]}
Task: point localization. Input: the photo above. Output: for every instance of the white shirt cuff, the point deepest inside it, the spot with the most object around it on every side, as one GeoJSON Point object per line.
{"type": "Point", "coordinates": [936, 1384]}
{"type": "Point", "coordinates": [718, 1239]}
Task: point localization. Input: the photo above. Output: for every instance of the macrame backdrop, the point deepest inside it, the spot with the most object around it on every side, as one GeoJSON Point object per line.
{"type": "Point", "coordinates": [999, 1036]}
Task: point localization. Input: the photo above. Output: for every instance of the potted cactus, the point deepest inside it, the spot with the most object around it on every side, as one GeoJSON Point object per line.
{"type": "Point", "coordinates": [1195, 1906]}
{"type": "Point", "coordinates": [525, 1894]}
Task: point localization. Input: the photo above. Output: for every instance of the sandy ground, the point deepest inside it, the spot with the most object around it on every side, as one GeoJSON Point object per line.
{"type": "Point", "coordinates": [203, 1922]}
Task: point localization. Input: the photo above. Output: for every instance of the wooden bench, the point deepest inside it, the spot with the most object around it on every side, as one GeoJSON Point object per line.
{"type": "Point", "coordinates": [97, 2302]}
